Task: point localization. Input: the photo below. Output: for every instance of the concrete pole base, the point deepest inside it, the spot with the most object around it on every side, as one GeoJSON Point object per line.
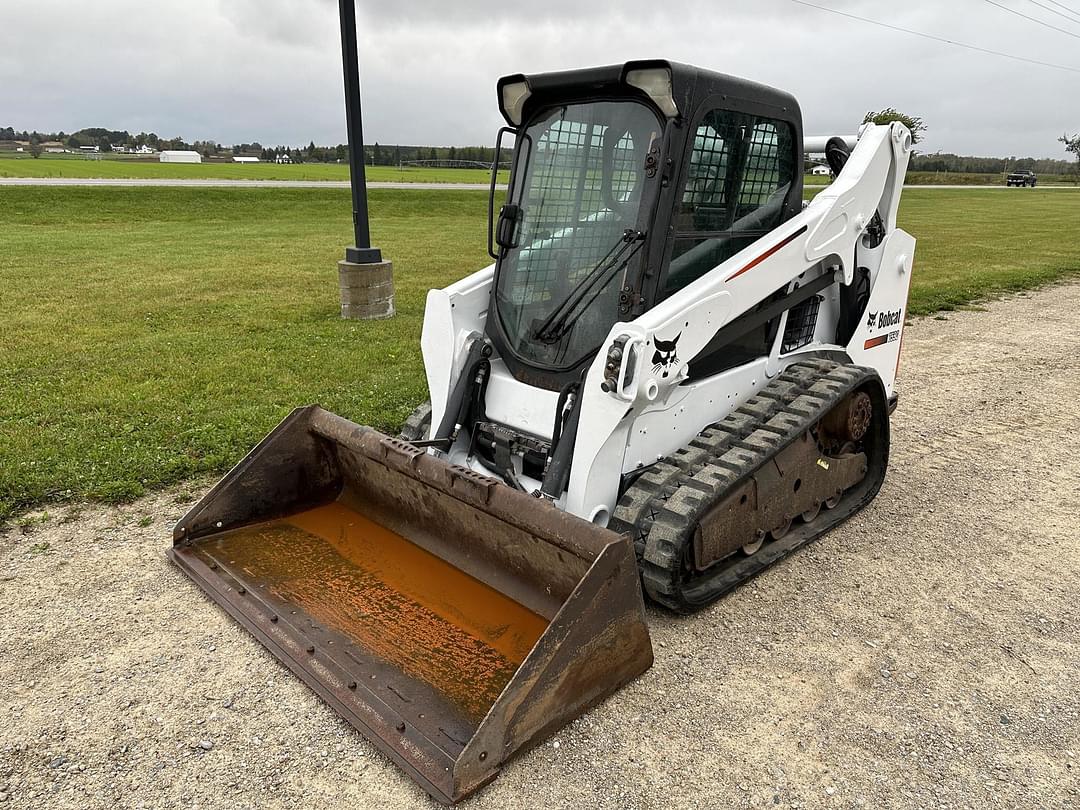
{"type": "Point", "coordinates": [367, 290]}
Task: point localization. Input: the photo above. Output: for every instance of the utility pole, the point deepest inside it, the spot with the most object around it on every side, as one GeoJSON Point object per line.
{"type": "Point", "coordinates": [366, 280]}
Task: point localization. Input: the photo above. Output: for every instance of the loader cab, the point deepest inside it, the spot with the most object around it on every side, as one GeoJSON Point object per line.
{"type": "Point", "coordinates": [628, 183]}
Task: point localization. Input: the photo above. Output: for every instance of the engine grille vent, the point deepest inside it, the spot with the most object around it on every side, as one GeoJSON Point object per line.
{"type": "Point", "coordinates": [801, 324]}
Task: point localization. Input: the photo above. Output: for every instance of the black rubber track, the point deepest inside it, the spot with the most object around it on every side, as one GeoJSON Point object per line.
{"type": "Point", "coordinates": [661, 509]}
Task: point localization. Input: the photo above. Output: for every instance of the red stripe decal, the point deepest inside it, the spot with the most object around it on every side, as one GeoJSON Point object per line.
{"type": "Point", "coordinates": [768, 253]}
{"type": "Point", "coordinates": [875, 341]}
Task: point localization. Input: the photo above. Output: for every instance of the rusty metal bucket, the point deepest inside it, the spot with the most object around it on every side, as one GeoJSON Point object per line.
{"type": "Point", "coordinates": [451, 619]}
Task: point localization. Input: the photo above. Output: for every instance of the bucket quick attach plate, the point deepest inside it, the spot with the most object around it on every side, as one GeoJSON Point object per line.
{"type": "Point", "coordinates": [451, 619]}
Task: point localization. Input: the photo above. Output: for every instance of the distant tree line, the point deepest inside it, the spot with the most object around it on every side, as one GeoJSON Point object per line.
{"type": "Point", "coordinates": [375, 154]}
{"type": "Point", "coordinates": [394, 155]}
{"type": "Point", "coordinates": [104, 139]}
{"type": "Point", "coordinates": [947, 162]}
{"type": "Point", "coordinates": [380, 155]}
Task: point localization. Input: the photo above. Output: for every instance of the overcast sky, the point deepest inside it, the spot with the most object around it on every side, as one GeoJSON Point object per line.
{"type": "Point", "coordinates": [270, 70]}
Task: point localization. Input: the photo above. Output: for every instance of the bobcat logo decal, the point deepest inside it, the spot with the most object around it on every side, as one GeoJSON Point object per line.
{"type": "Point", "coordinates": [665, 355]}
{"type": "Point", "coordinates": [879, 320]}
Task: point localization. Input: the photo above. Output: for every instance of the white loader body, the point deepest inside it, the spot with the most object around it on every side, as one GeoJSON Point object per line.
{"type": "Point", "coordinates": [658, 412]}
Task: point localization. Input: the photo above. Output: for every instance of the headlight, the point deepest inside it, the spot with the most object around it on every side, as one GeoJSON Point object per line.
{"type": "Point", "coordinates": [656, 83]}
{"type": "Point", "coordinates": [514, 96]}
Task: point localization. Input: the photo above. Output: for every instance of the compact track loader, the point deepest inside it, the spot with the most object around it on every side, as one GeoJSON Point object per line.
{"type": "Point", "coordinates": [674, 373]}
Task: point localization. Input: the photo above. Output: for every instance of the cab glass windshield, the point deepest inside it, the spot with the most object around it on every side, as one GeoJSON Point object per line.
{"type": "Point", "coordinates": [582, 174]}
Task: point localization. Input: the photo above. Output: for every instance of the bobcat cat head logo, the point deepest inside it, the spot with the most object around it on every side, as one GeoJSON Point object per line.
{"type": "Point", "coordinates": [871, 318]}
{"type": "Point", "coordinates": [665, 355]}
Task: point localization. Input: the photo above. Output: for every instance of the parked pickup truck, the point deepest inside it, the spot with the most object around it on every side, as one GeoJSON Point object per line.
{"type": "Point", "coordinates": [1023, 177]}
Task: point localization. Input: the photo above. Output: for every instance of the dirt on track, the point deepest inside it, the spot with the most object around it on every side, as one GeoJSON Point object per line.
{"type": "Point", "coordinates": [925, 654]}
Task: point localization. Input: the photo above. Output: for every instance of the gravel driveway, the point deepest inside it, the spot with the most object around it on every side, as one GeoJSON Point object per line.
{"type": "Point", "coordinates": [926, 654]}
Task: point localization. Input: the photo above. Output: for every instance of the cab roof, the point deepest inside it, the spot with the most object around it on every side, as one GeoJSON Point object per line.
{"type": "Point", "coordinates": [689, 87]}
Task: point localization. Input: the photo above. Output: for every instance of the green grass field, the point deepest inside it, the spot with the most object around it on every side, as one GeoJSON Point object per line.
{"type": "Point", "coordinates": [81, 168]}
{"type": "Point", "coordinates": [151, 334]}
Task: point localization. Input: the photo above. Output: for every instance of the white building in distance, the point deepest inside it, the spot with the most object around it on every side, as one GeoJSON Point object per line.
{"type": "Point", "coordinates": [180, 156]}
{"type": "Point", "coordinates": [245, 160]}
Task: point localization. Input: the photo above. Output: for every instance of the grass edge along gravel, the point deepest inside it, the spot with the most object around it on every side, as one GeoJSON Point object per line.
{"type": "Point", "coordinates": [155, 335]}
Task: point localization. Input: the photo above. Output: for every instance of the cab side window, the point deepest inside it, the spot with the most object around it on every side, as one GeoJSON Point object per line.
{"type": "Point", "coordinates": [739, 174]}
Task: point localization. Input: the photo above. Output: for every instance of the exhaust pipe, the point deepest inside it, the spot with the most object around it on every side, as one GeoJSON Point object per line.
{"type": "Point", "coordinates": [449, 618]}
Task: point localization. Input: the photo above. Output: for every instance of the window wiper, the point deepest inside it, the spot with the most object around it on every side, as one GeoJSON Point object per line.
{"type": "Point", "coordinates": [566, 313]}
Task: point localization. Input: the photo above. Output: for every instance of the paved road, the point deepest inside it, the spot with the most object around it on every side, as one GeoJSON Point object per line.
{"type": "Point", "coordinates": [219, 183]}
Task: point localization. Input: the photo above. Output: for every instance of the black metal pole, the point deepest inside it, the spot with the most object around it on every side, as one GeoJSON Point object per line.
{"type": "Point", "coordinates": [361, 252]}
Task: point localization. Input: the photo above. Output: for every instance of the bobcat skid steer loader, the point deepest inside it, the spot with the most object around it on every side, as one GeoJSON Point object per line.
{"type": "Point", "coordinates": [674, 374]}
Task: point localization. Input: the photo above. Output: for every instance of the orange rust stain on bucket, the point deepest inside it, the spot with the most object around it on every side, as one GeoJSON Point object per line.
{"type": "Point", "coordinates": [391, 597]}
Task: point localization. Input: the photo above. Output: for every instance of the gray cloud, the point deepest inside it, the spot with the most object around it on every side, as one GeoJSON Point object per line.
{"type": "Point", "coordinates": [238, 70]}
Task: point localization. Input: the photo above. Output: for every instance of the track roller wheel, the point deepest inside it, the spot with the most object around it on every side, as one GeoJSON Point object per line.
{"type": "Point", "coordinates": [810, 515]}
{"type": "Point", "coordinates": [753, 548]}
{"type": "Point", "coordinates": [781, 530]}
